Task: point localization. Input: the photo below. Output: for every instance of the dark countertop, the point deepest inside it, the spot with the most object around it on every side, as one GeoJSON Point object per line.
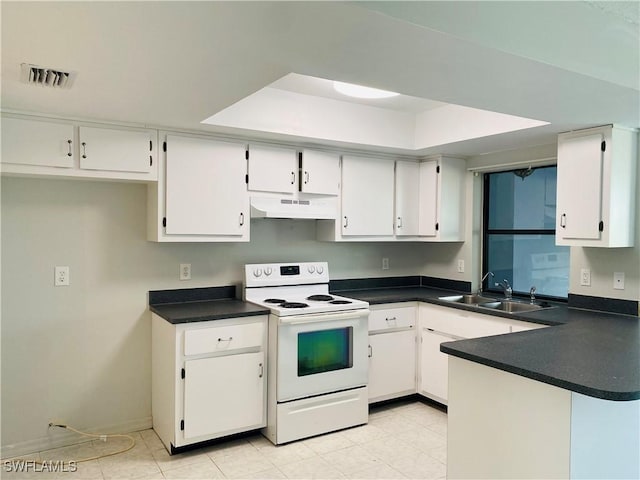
{"type": "Point", "coordinates": [201, 304]}
{"type": "Point", "coordinates": [585, 351]}
{"type": "Point", "coordinates": [201, 311]}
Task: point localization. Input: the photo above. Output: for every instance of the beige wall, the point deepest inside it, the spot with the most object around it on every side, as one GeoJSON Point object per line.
{"type": "Point", "coordinates": [81, 354]}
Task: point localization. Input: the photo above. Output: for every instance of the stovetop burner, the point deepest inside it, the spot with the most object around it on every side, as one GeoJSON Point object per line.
{"type": "Point", "coordinates": [320, 298]}
{"type": "Point", "coordinates": [293, 305]}
{"type": "Point", "coordinates": [340, 302]}
{"type": "Point", "coordinates": [275, 300]}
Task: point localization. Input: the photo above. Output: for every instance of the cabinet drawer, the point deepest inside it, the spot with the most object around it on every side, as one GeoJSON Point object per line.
{"type": "Point", "coordinates": [222, 339]}
{"type": "Point", "coordinates": [388, 318]}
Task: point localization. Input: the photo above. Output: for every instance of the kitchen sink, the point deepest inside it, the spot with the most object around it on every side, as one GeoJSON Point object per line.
{"type": "Point", "coordinates": [470, 299]}
{"type": "Point", "coordinates": [509, 306]}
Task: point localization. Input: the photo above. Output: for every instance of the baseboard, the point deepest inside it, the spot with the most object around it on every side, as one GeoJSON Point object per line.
{"type": "Point", "coordinates": [59, 437]}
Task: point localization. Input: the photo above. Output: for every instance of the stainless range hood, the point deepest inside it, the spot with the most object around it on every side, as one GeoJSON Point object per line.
{"type": "Point", "coordinates": [324, 208]}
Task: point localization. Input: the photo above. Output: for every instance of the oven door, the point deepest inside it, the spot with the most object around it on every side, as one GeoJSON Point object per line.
{"type": "Point", "coordinates": [321, 353]}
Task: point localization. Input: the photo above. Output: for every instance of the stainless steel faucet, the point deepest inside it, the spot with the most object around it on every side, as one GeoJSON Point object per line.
{"type": "Point", "coordinates": [483, 279]}
{"type": "Point", "coordinates": [508, 291]}
{"type": "Point", "coordinates": [532, 294]}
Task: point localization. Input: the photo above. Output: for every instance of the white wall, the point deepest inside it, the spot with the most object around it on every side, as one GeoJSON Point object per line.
{"type": "Point", "coordinates": [81, 354]}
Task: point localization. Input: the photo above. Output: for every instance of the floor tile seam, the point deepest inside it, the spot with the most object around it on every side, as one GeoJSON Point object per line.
{"type": "Point", "coordinates": [354, 475]}
{"type": "Point", "coordinates": [228, 468]}
{"type": "Point", "coordinates": [201, 461]}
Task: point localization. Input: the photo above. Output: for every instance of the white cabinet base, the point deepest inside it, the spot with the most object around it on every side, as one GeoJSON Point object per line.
{"type": "Point", "coordinates": [210, 393]}
{"type": "Point", "coordinates": [392, 365]}
{"type": "Point", "coordinates": [502, 425]}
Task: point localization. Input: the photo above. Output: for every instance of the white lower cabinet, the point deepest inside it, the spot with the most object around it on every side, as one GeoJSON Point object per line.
{"type": "Point", "coordinates": [392, 351]}
{"type": "Point", "coordinates": [434, 365]}
{"type": "Point", "coordinates": [208, 379]}
{"type": "Point", "coordinates": [223, 394]}
{"type": "Point", "coordinates": [392, 365]}
{"type": "Point", "coordinates": [440, 324]}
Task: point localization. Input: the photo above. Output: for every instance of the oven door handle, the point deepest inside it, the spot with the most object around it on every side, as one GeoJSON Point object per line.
{"type": "Point", "coordinates": [323, 317]}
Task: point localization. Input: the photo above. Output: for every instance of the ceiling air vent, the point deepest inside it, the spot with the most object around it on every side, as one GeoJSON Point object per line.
{"type": "Point", "coordinates": [46, 77]}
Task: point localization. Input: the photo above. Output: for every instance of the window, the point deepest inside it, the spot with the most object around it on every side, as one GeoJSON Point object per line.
{"type": "Point", "coordinates": [325, 350]}
{"type": "Point", "coordinates": [519, 233]}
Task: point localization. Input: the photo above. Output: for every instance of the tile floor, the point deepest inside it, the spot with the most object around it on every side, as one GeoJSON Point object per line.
{"type": "Point", "coordinates": [401, 440]}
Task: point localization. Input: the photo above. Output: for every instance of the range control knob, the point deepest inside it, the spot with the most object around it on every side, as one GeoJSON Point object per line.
{"type": "Point", "coordinates": [311, 268]}
{"type": "Point", "coordinates": [257, 272]}
{"type": "Point", "coordinates": [319, 269]}
{"type": "Point", "coordinates": [268, 271]}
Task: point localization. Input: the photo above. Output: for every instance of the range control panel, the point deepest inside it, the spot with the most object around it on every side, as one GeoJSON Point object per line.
{"type": "Point", "coordinates": [277, 274]}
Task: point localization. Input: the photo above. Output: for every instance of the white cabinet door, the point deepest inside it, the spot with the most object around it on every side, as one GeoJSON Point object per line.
{"type": "Point", "coordinates": [31, 142]}
{"type": "Point", "coordinates": [320, 172]}
{"type": "Point", "coordinates": [205, 187]}
{"type": "Point", "coordinates": [407, 198]}
{"type": "Point", "coordinates": [596, 187]}
{"type": "Point", "coordinates": [223, 394]}
{"type": "Point", "coordinates": [115, 149]}
{"type": "Point", "coordinates": [428, 222]}
{"type": "Point", "coordinates": [273, 169]}
{"type": "Point", "coordinates": [579, 192]}
{"type": "Point", "coordinates": [434, 365]}
{"type": "Point", "coordinates": [367, 196]}
{"type": "Point", "coordinates": [392, 365]}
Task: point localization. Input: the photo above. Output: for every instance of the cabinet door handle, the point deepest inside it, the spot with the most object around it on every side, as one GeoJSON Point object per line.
{"type": "Point", "coordinates": [563, 220]}
{"type": "Point", "coordinates": [391, 319]}
{"type": "Point", "coordinates": [306, 177]}
{"type": "Point", "coordinates": [69, 154]}
{"type": "Point", "coordinates": [225, 339]}
{"type": "Point", "coordinates": [241, 219]}
{"type": "Point", "coordinates": [84, 150]}
{"type": "Point", "coordinates": [370, 351]}
{"type": "Point", "coordinates": [346, 222]}
{"type": "Point", "coordinates": [261, 374]}
{"type": "Point", "coordinates": [399, 222]}
{"type": "Point", "coordinates": [293, 178]}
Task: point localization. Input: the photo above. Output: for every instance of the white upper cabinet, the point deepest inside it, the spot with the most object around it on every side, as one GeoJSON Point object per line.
{"type": "Point", "coordinates": [320, 172]}
{"type": "Point", "coordinates": [202, 194]}
{"type": "Point", "coordinates": [33, 142]}
{"type": "Point", "coordinates": [442, 199]}
{"type": "Point", "coordinates": [367, 196]}
{"type": "Point", "coordinates": [273, 169]}
{"type": "Point", "coordinates": [41, 146]}
{"type": "Point", "coordinates": [407, 205]}
{"type": "Point", "coordinates": [596, 187]}
{"type": "Point", "coordinates": [115, 149]}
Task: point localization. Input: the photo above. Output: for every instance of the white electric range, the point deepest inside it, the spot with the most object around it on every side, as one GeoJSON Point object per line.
{"type": "Point", "coordinates": [318, 358]}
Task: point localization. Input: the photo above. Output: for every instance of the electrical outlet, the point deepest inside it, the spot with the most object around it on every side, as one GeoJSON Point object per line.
{"type": "Point", "coordinates": [585, 277]}
{"type": "Point", "coordinates": [460, 266]}
{"type": "Point", "coordinates": [618, 280]}
{"type": "Point", "coordinates": [185, 271]}
{"type": "Point", "coordinates": [61, 276]}
{"type": "Point", "coordinates": [385, 264]}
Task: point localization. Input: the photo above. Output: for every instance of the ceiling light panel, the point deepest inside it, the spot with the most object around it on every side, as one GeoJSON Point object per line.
{"type": "Point", "coordinates": [358, 91]}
